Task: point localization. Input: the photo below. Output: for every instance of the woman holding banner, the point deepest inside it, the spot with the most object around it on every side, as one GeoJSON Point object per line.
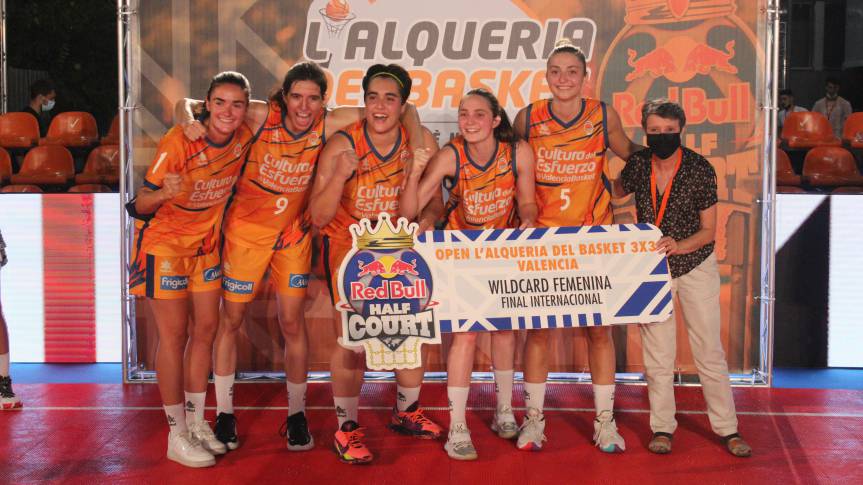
{"type": "Point", "coordinates": [176, 261]}
{"type": "Point", "coordinates": [343, 187]}
{"type": "Point", "coordinates": [675, 189]}
{"type": "Point", "coordinates": [267, 227]}
{"type": "Point", "coordinates": [489, 174]}
{"type": "Point", "coordinates": [570, 135]}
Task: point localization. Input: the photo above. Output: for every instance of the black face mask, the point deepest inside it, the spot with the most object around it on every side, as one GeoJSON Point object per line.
{"type": "Point", "coordinates": [663, 144]}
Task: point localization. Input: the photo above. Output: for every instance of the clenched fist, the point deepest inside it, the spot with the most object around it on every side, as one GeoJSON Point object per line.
{"type": "Point", "coordinates": [194, 130]}
{"type": "Point", "coordinates": [346, 163]}
{"type": "Point", "coordinates": [171, 186]}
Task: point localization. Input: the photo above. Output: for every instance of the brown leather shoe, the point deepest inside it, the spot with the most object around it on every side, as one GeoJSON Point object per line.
{"type": "Point", "coordinates": [660, 443]}
{"type": "Point", "coordinates": [736, 446]}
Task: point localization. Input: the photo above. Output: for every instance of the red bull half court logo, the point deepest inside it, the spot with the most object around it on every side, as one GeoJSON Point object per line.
{"type": "Point", "coordinates": [385, 290]}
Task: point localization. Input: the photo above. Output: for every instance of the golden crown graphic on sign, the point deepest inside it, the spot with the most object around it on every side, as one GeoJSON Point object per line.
{"type": "Point", "coordinates": [384, 235]}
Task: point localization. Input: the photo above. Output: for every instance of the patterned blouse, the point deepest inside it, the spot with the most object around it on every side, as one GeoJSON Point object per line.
{"type": "Point", "coordinates": [693, 190]}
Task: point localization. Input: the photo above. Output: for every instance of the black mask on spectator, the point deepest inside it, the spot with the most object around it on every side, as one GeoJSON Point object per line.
{"type": "Point", "coordinates": [663, 144]}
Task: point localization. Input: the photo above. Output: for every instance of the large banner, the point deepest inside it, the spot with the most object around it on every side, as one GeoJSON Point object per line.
{"type": "Point", "coordinates": [706, 54]}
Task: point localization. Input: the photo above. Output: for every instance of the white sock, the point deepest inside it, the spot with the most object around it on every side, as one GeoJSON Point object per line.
{"type": "Point", "coordinates": [176, 418]}
{"type": "Point", "coordinates": [4, 364]}
{"type": "Point", "coordinates": [406, 396]}
{"type": "Point", "coordinates": [224, 393]}
{"type": "Point", "coordinates": [296, 397]}
{"type": "Point", "coordinates": [195, 406]}
{"type": "Point", "coordinates": [457, 404]}
{"type": "Point", "coordinates": [503, 387]}
{"type": "Point", "coordinates": [534, 395]}
{"type": "Point", "coordinates": [603, 397]}
{"type": "Point", "coordinates": [346, 409]}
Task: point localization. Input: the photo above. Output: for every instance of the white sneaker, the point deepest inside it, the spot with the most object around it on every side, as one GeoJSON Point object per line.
{"type": "Point", "coordinates": [200, 430]}
{"type": "Point", "coordinates": [605, 434]}
{"type": "Point", "coordinates": [531, 434]}
{"type": "Point", "coordinates": [459, 445]}
{"type": "Point", "coordinates": [504, 423]}
{"type": "Point", "coordinates": [185, 450]}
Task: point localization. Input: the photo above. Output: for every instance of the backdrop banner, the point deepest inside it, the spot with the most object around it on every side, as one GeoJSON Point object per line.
{"type": "Point", "coordinates": [706, 54]}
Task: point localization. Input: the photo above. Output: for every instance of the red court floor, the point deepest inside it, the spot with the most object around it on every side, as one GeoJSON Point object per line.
{"type": "Point", "coordinates": [112, 433]}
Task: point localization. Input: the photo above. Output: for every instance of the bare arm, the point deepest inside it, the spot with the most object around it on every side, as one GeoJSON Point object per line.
{"type": "Point", "coordinates": [148, 201]}
{"type": "Point", "coordinates": [525, 193]}
{"type": "Point", "coordinates": [338, 162]}
{"type": "Point", "coordinates": [519, 122]}
{"type": "Point", "coordinates": [423, 183]}
{"type": "Point", "coordinates": [619, 143]}
{"type": "Point", "coordinates": [704, 236]}
{"type": "Point", "coordinates": [432, 213]}
{"type": "Point", "coordinates": [185, 109]}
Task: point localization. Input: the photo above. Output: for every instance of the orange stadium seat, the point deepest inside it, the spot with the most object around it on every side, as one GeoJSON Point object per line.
{"type": "Point", "coordinates": [830, 167]}
{"type": "Point", "coordinates": [21, 189]}
{"type": "Point", "coordinates": [807, 129]}
{"type": "Point", "coordinates": [784, 172]}
{"type": "Point", "coordinates": [113, 136]}
{"type": "Point", "coordinates": [46, 165]}
{"type": "Point", "coordinates": [88, 188]}
{"type": "Point", "coordinates": [847, 190]}
{"type": "Point", "coordinates": [5, 166]}
{"type": "Point", "coordinates": [789, 189]}
{"type": "Point", "coordinates": [103, 166]}
{"type": "Point", "coordinates": [18, 130]}
{"type": "Point", "coordinates": [72, 129]}
{"type": "Point", "coordinates": [853, 131]}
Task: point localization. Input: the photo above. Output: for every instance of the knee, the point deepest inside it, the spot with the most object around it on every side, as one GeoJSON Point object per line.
{"type": "Point", "coordinates": [231, 318]}
{"type": "Point", "coordinates": [174, 342]}
{"type": "Point", "coordinates": [599, 336]}
{"type": "Point", "coordinates": [204, 330]}
{"type": "Point", "coordinates": [292, 325]}
{"type": "Point", "coordinates": [538, 337]}
{"type": "Point", "coordinates": [464, 339]}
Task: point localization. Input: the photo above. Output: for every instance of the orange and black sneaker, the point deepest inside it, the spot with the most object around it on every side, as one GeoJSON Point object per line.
{"type": "Point", "coordinates": [349, 445]}
{"type": "Point", "coordinates": [413, 422]}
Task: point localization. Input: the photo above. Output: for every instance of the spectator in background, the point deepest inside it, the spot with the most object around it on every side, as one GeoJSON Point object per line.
{"type": "Point", "coordinates": [786, 105]}
{"type": "Point", "coordinates": [833, 106]}
{"type": "Point", "coordinates": [42, 99]}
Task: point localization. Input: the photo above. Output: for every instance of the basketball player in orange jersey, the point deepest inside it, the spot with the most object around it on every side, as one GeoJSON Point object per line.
{"type": "Point", "coordinates": [176, 263]}
{"type": "Point", "coordinates": [267, 227]}
{"type": "Point", "coordinates": [489, 174]}
{"type": "Point", "coordinates": [569, 135]}
{"type": "Point", "coordinates": [361, 172]}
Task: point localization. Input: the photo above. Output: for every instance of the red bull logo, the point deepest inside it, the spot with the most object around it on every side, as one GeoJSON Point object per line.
{"type": "Point", "coordinates": [388, 267]}
{"type": "Point", "coordinates": [694, 57]}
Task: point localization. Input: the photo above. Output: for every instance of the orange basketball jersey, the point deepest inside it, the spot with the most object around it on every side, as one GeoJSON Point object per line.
{"type": "Point", "coordinates": [572, 188]}
{"type": "Point", "coordinates": [374, 187]}
{"type": "Point", "coordinates": [269, 207]}
{"type": "Point", "coordinates": [190, 223]}
{"type": "Point", "coordinates": [483, 192]}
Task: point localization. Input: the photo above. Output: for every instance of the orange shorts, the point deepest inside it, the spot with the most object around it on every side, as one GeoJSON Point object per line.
{"type": "Point", "coordinates": [334, 252]}
{"type": "Point", "coordinates": [173, 277]}
{"type": "Point", "coordinates": [244, 269]}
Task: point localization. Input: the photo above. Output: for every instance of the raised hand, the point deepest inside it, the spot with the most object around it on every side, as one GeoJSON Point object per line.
{"type": "Point", "coordinates": [171, 186]}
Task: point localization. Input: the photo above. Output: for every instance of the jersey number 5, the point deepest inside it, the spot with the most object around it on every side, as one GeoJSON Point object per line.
{"type": "Point", "coordinates": [564, 195]}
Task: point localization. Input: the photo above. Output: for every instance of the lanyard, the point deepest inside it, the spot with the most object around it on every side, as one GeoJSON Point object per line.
{"type": "Point", "coordinates": [667, 194]}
